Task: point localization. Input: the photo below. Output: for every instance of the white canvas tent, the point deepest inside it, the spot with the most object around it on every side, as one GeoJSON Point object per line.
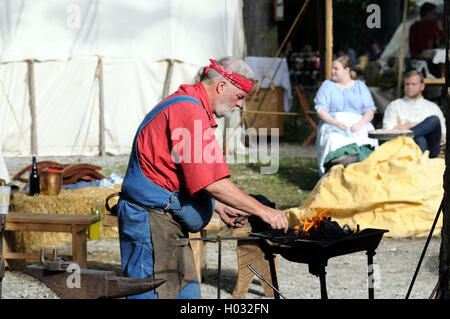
{"type": "Point", "coordinates": [393, 46]}
{"type": "Point", "coordinates": [136, 40]}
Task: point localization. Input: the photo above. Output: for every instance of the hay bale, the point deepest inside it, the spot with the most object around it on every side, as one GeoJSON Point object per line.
{"type": "Point", "coordinates": [77, 201]}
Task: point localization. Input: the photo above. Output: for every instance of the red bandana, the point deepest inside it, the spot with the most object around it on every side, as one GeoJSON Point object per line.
{"type": "Point", "coordinates": [237, 80]}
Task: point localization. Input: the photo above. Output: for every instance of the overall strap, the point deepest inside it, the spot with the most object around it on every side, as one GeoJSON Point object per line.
{"type": "Point", "coordinates": [161, 106]}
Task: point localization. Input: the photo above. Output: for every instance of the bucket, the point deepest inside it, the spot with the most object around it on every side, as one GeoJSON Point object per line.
{"type": "Point", "coordinates": [51, 182]}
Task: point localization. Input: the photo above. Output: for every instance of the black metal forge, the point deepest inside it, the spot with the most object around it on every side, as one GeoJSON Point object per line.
{"type": "Point", "coordinates": [316, 253]}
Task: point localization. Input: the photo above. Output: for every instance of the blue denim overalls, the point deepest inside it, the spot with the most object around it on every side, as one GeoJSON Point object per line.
{"type": "Point", "coordinates": [137, 242]}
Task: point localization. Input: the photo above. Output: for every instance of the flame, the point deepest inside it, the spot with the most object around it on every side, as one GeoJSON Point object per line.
{"type": "Point", "coordinates": [312, 223]}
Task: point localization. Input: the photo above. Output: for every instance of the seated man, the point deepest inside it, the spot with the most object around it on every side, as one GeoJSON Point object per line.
{"type": "Point", "coordinates": [415, 113]}
{"type": "Point", "coordinates": [426, 33]}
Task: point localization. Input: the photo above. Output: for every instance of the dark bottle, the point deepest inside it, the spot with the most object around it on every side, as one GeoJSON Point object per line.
{"type": "Point", "coordinates": [34, 186]}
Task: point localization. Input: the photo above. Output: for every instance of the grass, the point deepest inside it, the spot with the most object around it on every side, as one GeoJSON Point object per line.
{"type": "Point", "coordinates": [288, 187]}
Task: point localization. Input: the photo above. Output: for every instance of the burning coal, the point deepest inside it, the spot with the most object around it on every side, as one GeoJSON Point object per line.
{"type": "Point", "coordinates": [321, 228]}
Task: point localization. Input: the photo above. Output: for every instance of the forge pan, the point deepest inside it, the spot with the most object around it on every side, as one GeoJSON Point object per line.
{"type": "Point", "coordinates": [314, 251]}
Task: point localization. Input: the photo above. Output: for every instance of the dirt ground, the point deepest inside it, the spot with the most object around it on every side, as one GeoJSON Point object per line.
{"type": "Point", "coordinates": [395, 260]}
{"type": "Point", "coordinates": [394, 266]}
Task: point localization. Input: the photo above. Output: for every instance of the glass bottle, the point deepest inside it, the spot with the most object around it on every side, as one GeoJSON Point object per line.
{"type": "Point", "coordinates": [34, 186]}
{"type": "Point", "coordinates": [94, 229]}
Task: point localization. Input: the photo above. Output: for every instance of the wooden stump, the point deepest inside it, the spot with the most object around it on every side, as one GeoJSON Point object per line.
{"type": "Point", "coordinates": [248, 252]}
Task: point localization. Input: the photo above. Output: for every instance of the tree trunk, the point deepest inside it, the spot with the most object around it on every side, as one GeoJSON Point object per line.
{"type": "Point", "coordinates": [444, 255]}
{"type": "Point", "coordinates": [261, 31]}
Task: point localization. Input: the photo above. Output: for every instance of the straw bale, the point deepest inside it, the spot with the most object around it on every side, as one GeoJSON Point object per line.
{"type": "Point", "coordinates": [77, 201]}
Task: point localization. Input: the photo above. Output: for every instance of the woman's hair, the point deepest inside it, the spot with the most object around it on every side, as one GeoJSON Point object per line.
{"type": "Point", "coordinates": [346, 62]}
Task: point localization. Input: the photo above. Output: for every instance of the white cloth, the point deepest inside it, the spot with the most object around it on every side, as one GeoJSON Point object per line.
{"type": "Point", "coordinates": [3, 169]}
{"type": "Point", "coordinates": [190, 31]}
{"type": "Point", "coordinates": [436, 55]}
{"type": "Point", "coordinates": [405, 110]}
{"type": "Point", "coordinates": [134, 38]}
{"type": "Point", "coordinates": [260, 67]}
{"type": "Point", "coordinates": [330, 138]}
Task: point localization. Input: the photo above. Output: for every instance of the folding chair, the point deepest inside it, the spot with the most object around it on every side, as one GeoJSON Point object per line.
{"type": "Point", "coordinates": [306, 110]}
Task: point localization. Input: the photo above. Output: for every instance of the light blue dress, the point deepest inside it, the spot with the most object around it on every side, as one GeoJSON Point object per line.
{"type": "Point", "coordinates": [346, 105]}
{"type": "Point", "coordinates": [355, 99]}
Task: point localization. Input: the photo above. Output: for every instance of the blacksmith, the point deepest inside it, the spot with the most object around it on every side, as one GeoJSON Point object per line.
{"type": "Point", "coordinates": [177, 176]}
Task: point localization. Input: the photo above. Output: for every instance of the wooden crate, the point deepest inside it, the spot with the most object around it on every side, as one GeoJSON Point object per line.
{"type": "Point", "coordinates": [273, 101]}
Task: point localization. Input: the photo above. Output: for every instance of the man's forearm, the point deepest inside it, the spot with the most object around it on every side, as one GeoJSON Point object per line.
{"type": "Point", "coordinates": [228, 193]}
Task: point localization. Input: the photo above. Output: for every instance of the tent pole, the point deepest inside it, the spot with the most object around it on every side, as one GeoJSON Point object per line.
{"type": "Point", "coordinates": [34, 146]}
{"type": "Point", "coordinates": [101, 106]}
{"type": "Point", "coordinates": [328, 38]}
{"type": "Point", "coordinates": [320, 37]}
{"type": "Point", "coordinates": [401, 58]}
{"type": "Point", "coordinates": [168, 78]}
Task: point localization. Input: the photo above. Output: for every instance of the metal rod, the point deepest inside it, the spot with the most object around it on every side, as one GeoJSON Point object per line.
{"type": "Point", "coordinates": [424, 249]}
{"type": "Point", "coordinates": [219, 265]}
{"type": "Point", "coordinates": [263, 279]}
{"type": "Point", "coordinates": [223, 238]}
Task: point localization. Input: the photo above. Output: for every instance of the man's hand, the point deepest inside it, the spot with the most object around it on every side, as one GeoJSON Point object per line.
{"type": "Point", "coordinates": [405, 126]}
{"type": "Point", "coordinates": [229, 215]}
{"type": "Point", "coordinates": [275, 218]}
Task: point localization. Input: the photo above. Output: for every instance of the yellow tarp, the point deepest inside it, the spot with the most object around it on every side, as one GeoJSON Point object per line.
{"type": "Point", "coordinates": [396, 188]}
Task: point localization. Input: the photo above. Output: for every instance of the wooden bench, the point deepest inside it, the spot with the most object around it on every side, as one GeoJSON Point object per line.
{"type": "Point", "coordinates": [74, 224]}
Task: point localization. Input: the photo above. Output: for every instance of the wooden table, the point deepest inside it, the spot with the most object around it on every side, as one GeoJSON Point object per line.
{"type": "Point", "coordinates": [439, 81]}
{"type": "Point", "coordinates": [383, 135]}
{"type": "Point", "coordinates": [74, 224]}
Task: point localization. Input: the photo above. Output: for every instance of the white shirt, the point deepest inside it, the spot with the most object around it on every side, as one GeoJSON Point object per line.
{"type": "Point", "coordinates": [405, 110]}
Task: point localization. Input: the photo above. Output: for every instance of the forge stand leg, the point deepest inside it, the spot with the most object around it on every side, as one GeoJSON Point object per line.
{"type": "Point", "coordinates": [2, 260]}
{"type": "Point", "coordinates": [318, 269]}
{"type": "Point", "coordinates": [273, 274]}
{"type": "Point", "coordinates": [370, 283]}
{"type": "Point", "coordinates": [323, 283]}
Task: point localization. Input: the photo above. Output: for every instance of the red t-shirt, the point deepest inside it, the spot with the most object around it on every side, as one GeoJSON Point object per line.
{"type": "Point", "coordinates": [421, 34]}
{"type": "Point", "coordinates": [187, 130]}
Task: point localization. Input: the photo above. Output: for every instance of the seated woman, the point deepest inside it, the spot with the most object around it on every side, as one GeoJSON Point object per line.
{"type": "Point", "coordinates": [345, 108]}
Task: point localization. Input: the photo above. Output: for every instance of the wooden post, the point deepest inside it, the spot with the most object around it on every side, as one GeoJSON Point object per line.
{"type": "Point", "coordinates": [168, 78]}
{"type": "Point", "coordinates": [320, 37]}
{"type": "Point", "coordinates": [401, 58]}
{"type": "Point", "coordinates": [443, 291]}
{"type": "Point", "coordinates": [328, 38]}
{"type": "Point", "coordinates": [101, 107]}
{"type": "Point", "coordinates": [34, 146]}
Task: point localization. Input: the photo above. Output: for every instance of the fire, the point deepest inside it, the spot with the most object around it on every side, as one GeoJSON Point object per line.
{"type": "Point", "coordinates": [311, 223]}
